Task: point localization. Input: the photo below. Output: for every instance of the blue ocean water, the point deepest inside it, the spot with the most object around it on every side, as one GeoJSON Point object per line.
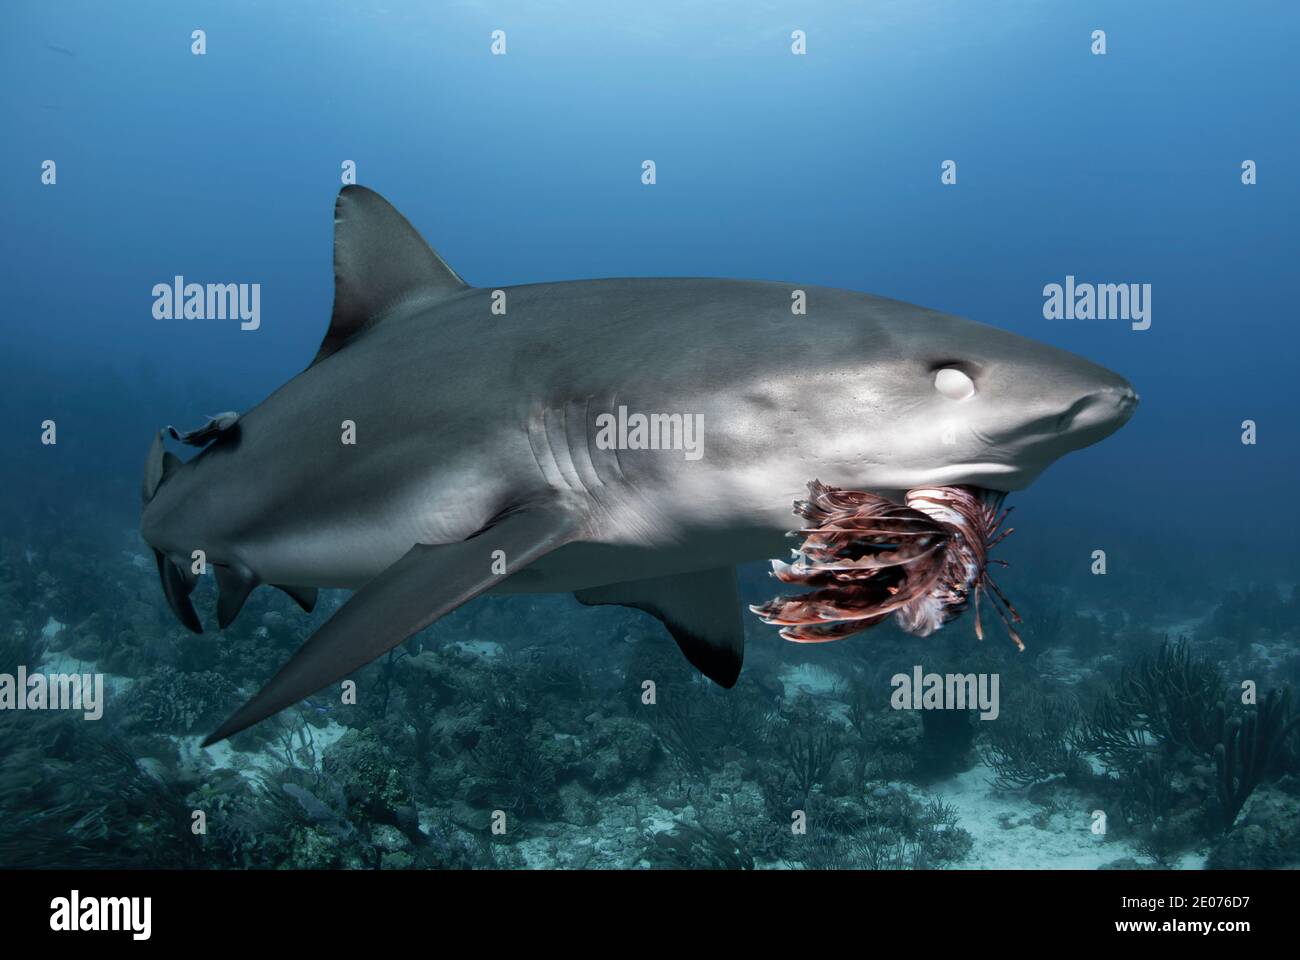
{"type": "Point", "coordinates": [821, 168]}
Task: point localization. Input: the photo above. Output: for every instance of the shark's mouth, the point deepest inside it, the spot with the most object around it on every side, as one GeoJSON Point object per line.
{"type": "Point", "coordinates": [868, 558]}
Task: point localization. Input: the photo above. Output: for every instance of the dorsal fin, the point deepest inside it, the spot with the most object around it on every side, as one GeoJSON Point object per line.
{"type": "Point", "coordinates": [379, 262]}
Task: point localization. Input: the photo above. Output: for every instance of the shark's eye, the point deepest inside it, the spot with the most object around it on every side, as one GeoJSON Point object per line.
{"type": "Point", "coordinates": [954, 384]}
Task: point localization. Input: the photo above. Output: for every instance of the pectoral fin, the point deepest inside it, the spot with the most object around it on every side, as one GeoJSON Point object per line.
{"type": "Point", "coordinates": [425, 584]}
{"type": "Point", "coordinates": [701, 610]}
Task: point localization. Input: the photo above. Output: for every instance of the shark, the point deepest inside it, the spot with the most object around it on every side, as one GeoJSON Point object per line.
{"type": "Point", "coordinates": [627, 440]}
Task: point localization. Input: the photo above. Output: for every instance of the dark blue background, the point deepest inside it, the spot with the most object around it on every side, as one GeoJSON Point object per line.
{"type": "Point", "coordinates": [822, 169]}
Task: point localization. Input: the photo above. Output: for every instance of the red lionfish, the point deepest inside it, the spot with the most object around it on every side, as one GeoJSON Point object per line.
{"type": "Point", "coordinates": [867, 558]}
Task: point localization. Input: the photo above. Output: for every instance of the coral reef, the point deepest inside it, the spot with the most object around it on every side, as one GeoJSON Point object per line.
{"type": "Point", "coordinates": [486, 743]}
{"type": "Point", "coordinates": [74, 795]}
{"type": "Point", "coordinates": [168, 701]}
{"type": "Point", "coordinates": [1249, 751]}
{"type": "Point", "coordinates": [1036, 742]}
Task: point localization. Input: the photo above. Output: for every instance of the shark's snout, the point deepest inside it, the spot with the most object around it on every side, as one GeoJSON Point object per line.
{"type": "Point", "coordinates": [1064, 411]}
{"type": "Point", "coordinates": [1099, 413]}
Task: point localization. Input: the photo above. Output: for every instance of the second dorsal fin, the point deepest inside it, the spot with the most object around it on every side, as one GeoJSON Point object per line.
{"type": "Point", "coordinates": [380, 261]}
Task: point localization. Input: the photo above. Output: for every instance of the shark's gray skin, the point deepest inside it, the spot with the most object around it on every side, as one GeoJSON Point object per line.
{"type": "Point", "coordinates": [476, 432]}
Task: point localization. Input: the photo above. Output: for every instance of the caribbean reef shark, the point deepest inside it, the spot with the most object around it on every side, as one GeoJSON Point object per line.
{"type": "Point", "coordinates": [449, 441]}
